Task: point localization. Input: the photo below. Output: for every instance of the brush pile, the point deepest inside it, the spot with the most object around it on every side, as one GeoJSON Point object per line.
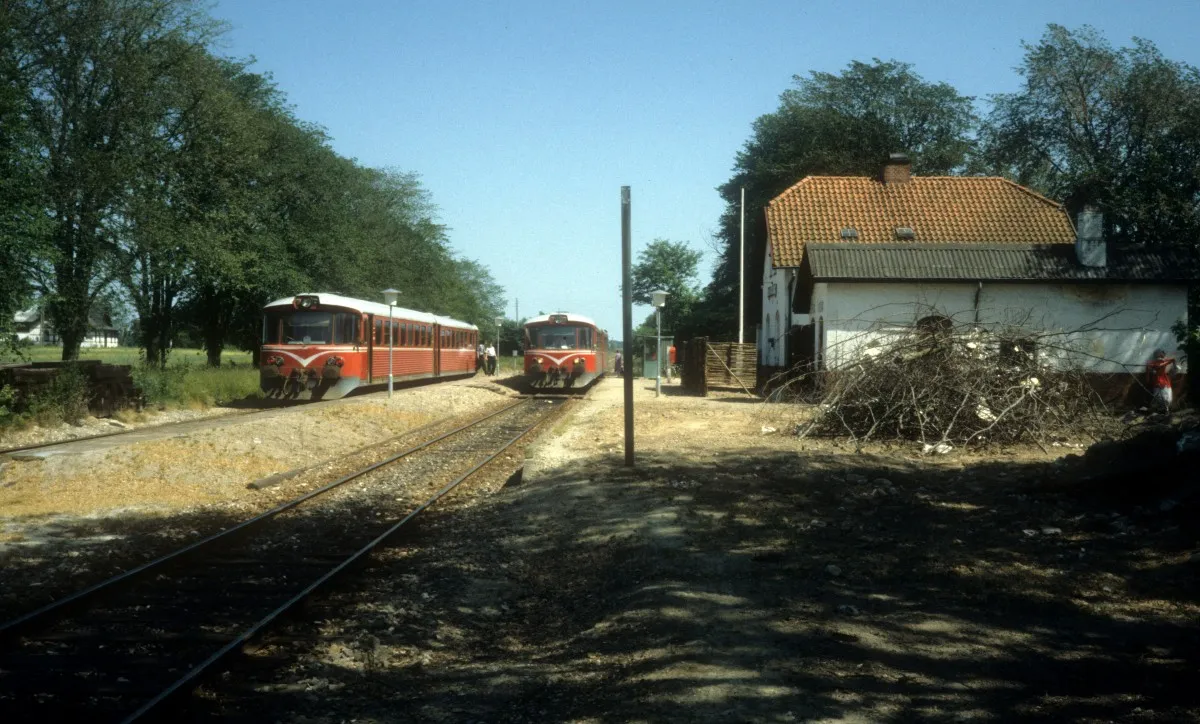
{"type": "Point", "coordinates": [956, 386]}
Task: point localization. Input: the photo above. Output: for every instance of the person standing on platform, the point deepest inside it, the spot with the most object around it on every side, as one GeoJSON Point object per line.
{"type": "Point", "coordinates": [1159, 380]}
{"type": "Point", "coordinates": [491, 359]}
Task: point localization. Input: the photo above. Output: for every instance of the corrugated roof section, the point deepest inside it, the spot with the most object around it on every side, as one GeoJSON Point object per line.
{"type": "Point", "coordinates": [996, 262]}
{"type": "Point", "coordinates": [939, 209]}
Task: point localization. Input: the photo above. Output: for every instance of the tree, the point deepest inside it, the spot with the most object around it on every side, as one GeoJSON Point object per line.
{"type": "Point", "coordinates": [672, 267]}
{"type": "Point", "coordinates": [20, 170]}
{"type": "Point", "coordinates": [94, 75]}
{"type": "Point", "coordinates": [1118, 129]}
{"type": "Point", "coordinates": [843, 124]}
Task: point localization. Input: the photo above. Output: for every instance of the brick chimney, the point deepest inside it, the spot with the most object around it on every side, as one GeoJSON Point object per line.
{"type": "Point", "coordinates": [1090, 248]}
{"type": "Point", "coordinates": [897, 170]}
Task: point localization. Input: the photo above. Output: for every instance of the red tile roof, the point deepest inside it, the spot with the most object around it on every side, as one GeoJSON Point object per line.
{"type": "Point", "coordinates": [939, 209]}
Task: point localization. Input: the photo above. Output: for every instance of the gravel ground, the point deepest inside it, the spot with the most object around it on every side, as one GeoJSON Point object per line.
{"type": "Point", "coordinates": [89, 426]}
{"type": "Point", "coordinates": [68, 519]}
{"type": "Point", "coordinates": [741, 575]}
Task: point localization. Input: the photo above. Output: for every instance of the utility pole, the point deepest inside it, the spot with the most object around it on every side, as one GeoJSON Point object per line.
{"type": "Point", "coordinates": [742, 267]}
{"type": "Point", "coordinates": [627, 318]}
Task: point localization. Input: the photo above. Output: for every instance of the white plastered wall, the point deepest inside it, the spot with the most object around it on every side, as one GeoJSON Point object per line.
{"type": "Point", "coordinates": [776, 314]}
{"type": "Point", "coordinates": [1105, 327]}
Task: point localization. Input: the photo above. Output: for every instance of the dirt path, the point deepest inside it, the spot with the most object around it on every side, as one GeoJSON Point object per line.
{"type": "Point", "coordinates": [742, 576]}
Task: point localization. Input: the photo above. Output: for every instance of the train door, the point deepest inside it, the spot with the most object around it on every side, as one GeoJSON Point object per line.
{"type": "Point", "coordinates": [435, 341]}
{"type": "Point", "coordinates": [369, 332]}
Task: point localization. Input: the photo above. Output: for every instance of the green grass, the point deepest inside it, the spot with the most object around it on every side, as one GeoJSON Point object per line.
{"type": "Point", "coordinates": [510, 365]}
{"type": "Point", "coordinates": [187, 382]}
{"type": "Point", "coordinates": [132, 356]}
{"type": "Point", "coordinates": [196, 387]}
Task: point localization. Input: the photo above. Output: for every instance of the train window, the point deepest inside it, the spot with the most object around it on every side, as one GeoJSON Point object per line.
{"type": "Point", "coordinates": [345, 328]}
{"type": "Point", "coordinates": [557, 337]}
{"type": "Point", "coordinates": [310, 327]}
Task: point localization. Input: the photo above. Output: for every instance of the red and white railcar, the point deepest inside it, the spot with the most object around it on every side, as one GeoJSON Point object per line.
{"type": "Point", "coordinates": [322, 346]}
{"type": "Point", "coordinates": [563, 351]}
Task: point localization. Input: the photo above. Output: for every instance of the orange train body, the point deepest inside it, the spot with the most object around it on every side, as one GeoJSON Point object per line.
{"type": "Point", "coordinates": [323, 346]}
{"type": "Point", "coordinates": [564, 351]}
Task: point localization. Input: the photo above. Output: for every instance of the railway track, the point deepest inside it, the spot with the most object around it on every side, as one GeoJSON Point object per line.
{"type": "Point", "coordinates": [124, 649]}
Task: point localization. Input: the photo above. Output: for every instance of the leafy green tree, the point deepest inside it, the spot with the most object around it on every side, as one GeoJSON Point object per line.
{"type": "Point", "coordinates": [197, 236]}
{"type": "Point", "coordinates": [839, 124]}
{"type": "Point", "coordinates": [671, 266]}
{"type": "Point", "coordinates": [20, 171]}
{"type": "Point", "coordinates": [95, 75]}
{"type": "Point", "coordinates": [1118, 129]}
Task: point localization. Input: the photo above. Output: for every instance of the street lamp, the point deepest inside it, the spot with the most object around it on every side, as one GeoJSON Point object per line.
{"type": "Point", "coordinates": [499, 321]}
{"type": "Point", "coordinates": [389, 296]}
{"type": "Point", "coordinates": [659, 299]}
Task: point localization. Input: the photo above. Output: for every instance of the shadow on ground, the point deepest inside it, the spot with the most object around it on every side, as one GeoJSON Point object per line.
{"type": "Point", "coordinates": [759, 588]}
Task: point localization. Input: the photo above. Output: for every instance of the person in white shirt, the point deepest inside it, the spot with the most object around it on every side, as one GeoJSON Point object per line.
{"type": "Point", "coordinates": [490, 352]}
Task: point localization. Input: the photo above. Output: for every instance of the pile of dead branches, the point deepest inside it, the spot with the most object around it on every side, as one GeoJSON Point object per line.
{"type": "Point", "coordinates": [957, 387]}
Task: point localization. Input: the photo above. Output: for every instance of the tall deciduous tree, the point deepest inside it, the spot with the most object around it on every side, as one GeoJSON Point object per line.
{"type": "Point", "coordinates": [20, 170]}
{"type": "Point", "coordinates": [94, 78]}
{"type": "Point", "coordinates": [672, 267]}
{"type": "Point", "coordinates": [1118, 129]}
{"type": "Point", "coordinates": [847, 124]}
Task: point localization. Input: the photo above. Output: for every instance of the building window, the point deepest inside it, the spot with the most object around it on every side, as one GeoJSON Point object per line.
{"type": "Point", "coordinates": [772, 290]}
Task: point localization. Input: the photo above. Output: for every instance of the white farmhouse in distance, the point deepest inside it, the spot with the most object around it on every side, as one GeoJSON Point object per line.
{"type": "Point", "coordinates": [851, 258]}
{"type": "Point", "coordinates": [34, 327]}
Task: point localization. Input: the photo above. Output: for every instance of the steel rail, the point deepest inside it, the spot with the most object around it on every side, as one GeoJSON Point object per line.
{"type": "Point", "coordinates": [187, 680]}
{"type": "Point", "coordinates": [15, 626]}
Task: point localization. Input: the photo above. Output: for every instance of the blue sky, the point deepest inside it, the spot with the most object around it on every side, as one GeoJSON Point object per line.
{"type": "Point", "coordinates": [524, 119]}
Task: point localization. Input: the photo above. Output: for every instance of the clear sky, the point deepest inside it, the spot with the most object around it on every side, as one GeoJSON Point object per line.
{"type": "Point", "coordinates": [524, 119]}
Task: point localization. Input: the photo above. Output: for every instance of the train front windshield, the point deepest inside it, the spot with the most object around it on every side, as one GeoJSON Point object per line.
{"type": "Point", "coordinates": [310, 327]}
{"type": "Point", "coordinates": [561, 337]}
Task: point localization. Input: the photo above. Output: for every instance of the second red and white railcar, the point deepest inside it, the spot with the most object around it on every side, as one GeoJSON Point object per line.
{"type": "Point", "coordinates": [322, 346]}
{"type": "Point", "coordinates": [564, 351]}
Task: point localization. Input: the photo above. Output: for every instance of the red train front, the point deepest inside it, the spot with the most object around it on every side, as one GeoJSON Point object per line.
{"type": "Point", "coordinates": [563, 351]}
{"type": "Point", "coordinates": [322, 346]}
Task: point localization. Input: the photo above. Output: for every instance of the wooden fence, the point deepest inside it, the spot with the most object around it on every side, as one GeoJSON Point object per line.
{"type": "Point", "coordinates": [718, 364]}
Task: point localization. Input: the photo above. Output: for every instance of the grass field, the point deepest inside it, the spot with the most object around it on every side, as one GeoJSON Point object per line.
{"type": "Point", "coordinates": [133, 355]}
{"type": "Point", "coordinates": [187, 381]}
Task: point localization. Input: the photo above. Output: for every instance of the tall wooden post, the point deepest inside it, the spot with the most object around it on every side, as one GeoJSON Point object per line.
{"type": "Point", "coordinates": [627, 318]}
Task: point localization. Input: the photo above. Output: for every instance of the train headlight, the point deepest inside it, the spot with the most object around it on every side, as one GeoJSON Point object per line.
{"type": "Point", "coordinates": [335, 361]}
{"type": "Point", "coordinates": [537, 360]}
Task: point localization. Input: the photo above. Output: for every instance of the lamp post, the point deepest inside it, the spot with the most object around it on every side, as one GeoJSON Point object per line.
{"type": "Point", "coordinates": [659, 299]}
{"type": "Point", "coordinates": [389, 296]}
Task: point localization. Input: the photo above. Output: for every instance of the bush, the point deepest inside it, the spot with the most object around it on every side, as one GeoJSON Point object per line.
{"type": "Point", "coordinates": [8, 406]}
{"type": "Point", "coordinates": [160, 386]}
{"type": "Point", "coordinates": [65, 399]}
